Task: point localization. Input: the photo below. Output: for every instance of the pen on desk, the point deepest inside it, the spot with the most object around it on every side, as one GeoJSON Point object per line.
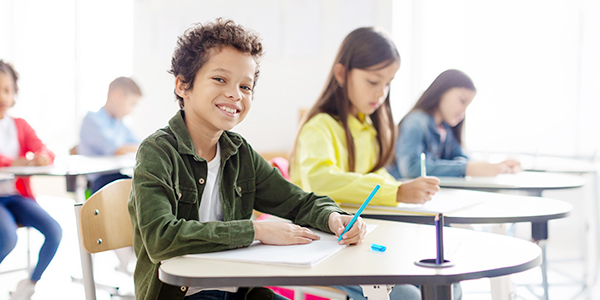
{"type": "Point", "coordinates": [439, 235]}
{"type": "Point", "coordinates": [360, 210]}
{"type": "Point", "coordinates": [423, 168]}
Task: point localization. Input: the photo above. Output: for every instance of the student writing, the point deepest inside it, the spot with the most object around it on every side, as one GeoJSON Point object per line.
{"type": "Point", "coordinates": [434, 126]}
{"type": "Point", "coordinates": [348, 135]}
{"type": "Point", "coordinates": [20, 146]}
{"type": "Point", "coordinates": [196, 183]}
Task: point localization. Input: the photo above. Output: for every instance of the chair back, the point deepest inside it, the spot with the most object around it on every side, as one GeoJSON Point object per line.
{"type": "Point", "coordinates": [104, 222]}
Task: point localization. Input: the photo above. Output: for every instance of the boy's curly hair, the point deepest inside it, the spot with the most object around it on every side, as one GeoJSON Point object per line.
{"type": "Point", "coordinates": [194, 48]}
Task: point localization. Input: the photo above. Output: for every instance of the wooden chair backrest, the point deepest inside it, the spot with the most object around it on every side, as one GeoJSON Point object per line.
{"type": "Point", "coordinates": [104, 218]}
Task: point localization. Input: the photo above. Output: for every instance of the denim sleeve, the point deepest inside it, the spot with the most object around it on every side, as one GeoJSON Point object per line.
{"type": "Point", "coordinates": [414, 139]}
{"type": "Point", "coordinates": [455, 167]}
{"type": "Point", "coordinates": [456, 149]}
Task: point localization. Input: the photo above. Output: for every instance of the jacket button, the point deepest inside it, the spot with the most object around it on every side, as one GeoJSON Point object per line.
{"type": "Point", "coordinates": [239, 189]}
{"type": "Point", "coordinates": [201, 180]}
{"type": "Point", "coordinates": [183, 288]}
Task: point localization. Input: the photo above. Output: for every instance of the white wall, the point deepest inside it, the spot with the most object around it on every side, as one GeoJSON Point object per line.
{"type": "Point", "coordinates": [67, 52]}
{"type": "Point", "coordinates": [301, 39]}
{"type": "Point", "coordinates": [536, 69]}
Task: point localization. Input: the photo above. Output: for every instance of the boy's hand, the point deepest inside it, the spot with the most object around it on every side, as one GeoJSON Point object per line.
{"type": "Point", "coordinates": [278, 233]}
{"type": "Point", "coordinates": [337, 224]}
{"type": "Point", "coordinates": [418, 191]}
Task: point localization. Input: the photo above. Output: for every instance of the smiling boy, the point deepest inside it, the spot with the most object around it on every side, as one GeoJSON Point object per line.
{"type": "Point", "coordinates": [196, 183]}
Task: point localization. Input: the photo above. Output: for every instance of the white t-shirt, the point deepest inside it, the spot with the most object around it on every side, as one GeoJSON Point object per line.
{"type": "Point", "coordinates": [211, 208]}
{"type": "Point", "coordinates": [9, 147]}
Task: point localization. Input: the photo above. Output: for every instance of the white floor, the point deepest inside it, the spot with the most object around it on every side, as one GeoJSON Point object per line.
{"type": "Point", "coordinates": [563, 248]}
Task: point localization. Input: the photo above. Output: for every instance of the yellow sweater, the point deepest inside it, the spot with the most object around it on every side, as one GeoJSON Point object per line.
{"type": "Point", "coordinates": [321, 163]}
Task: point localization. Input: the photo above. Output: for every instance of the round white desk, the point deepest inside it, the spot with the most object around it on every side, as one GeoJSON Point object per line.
{"type": "Point", "coordinates": [5, 176]}
{"type": "Point", "coordinates": [534, 183]}
{"type": "Point", "coordinates": [474, 254]}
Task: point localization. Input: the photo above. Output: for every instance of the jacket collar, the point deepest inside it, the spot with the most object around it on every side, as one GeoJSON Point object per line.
{"type": "Point", "coordinates": [363, 122]}
{"type": "Point", "coordinates": [229, 141]}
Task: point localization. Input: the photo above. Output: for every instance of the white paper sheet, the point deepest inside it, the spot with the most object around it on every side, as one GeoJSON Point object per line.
{"type": "Point", "coordinates": [306, 255]}
{"type": "Point", "coordinates": [444, 201]}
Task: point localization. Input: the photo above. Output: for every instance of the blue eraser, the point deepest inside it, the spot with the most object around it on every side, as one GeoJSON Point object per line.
{"type": "Point", "coordinates": [378, 248]}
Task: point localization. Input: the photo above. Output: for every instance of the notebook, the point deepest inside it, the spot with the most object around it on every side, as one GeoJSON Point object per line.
{"type": "Point", "coordinates": [306, 255]}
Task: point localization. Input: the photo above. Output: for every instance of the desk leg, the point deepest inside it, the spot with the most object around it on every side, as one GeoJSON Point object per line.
{"type": "Point", "coordinates": [436, 292]}
{"type": "Point", "coordinates": [77, 184]}
{"type": "Point", "coordinates": [539, 233]}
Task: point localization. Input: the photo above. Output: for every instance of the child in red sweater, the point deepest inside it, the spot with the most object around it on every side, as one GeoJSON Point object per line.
{"type": "Point", "coordinates": [17, 206]}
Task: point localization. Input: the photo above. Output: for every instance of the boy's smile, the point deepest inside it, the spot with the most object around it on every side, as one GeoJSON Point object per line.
{"type": "Point", "coordinates": [222, 92]}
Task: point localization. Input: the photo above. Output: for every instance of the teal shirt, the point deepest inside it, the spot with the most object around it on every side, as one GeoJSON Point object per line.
{"type": "Point", "coordinates": [167, 188]}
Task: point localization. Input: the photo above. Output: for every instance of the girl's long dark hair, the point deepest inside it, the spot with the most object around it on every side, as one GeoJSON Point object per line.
{"type": "Point", "coordinates": [363, 49]}
{"type": "Point", "coordinates": [430, 100]}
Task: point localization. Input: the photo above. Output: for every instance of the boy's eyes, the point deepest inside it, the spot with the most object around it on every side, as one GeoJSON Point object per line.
{"type": "Point", "coordinates": [244, 87]}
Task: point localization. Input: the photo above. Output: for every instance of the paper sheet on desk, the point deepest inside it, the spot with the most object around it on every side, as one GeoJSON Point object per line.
{"type": "Point", "coordinates": [306, 255]}
{"type": "Point", "coordinates": [444, 201]}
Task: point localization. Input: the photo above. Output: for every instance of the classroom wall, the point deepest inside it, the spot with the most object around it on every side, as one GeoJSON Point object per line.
{"type": "Point", "coordinates": [537, 76]}
{"type": "Point", "coordinates": [301, 39]}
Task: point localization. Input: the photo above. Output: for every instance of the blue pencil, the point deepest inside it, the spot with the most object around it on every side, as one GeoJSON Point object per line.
{"type": "Point", "coordinates": [360, 210]}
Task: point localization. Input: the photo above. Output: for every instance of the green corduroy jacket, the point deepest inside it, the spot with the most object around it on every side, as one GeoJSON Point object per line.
{"type": "Point", "coordinates": [167, 189]}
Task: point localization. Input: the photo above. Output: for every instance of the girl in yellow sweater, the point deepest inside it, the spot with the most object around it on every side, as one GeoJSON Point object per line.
{"type": "Point", "coordinates": [348, 136]}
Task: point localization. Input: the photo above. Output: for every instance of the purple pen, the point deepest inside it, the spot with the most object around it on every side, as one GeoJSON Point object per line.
{"type": "Point", "coordinates": [439, 234]}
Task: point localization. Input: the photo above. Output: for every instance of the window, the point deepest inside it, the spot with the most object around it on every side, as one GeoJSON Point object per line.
{"type": "Point", "coordinates": [531, 61]}
{"type": "Point", "coordinates": [67, 52]}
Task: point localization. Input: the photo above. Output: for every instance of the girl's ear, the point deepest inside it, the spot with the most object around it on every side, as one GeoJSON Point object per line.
{"type": "Point", "coordinates": [180, 87]}
{"type": "Point", "coordinates": [339, 72]}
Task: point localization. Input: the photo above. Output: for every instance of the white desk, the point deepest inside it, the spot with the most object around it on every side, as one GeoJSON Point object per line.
{"type": "Point", "coordinates": [74, 168]}
{"type": "Point", "coordinates": [4, 176]}
{"type": "Point", "coordinates": [545, 163]}
{"type": "Point", "coordinates": [534, 183]}
{"type": "Point", "coordinates": [494, 208]}
{"type": "Point", "coordinates": [474, 254]}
